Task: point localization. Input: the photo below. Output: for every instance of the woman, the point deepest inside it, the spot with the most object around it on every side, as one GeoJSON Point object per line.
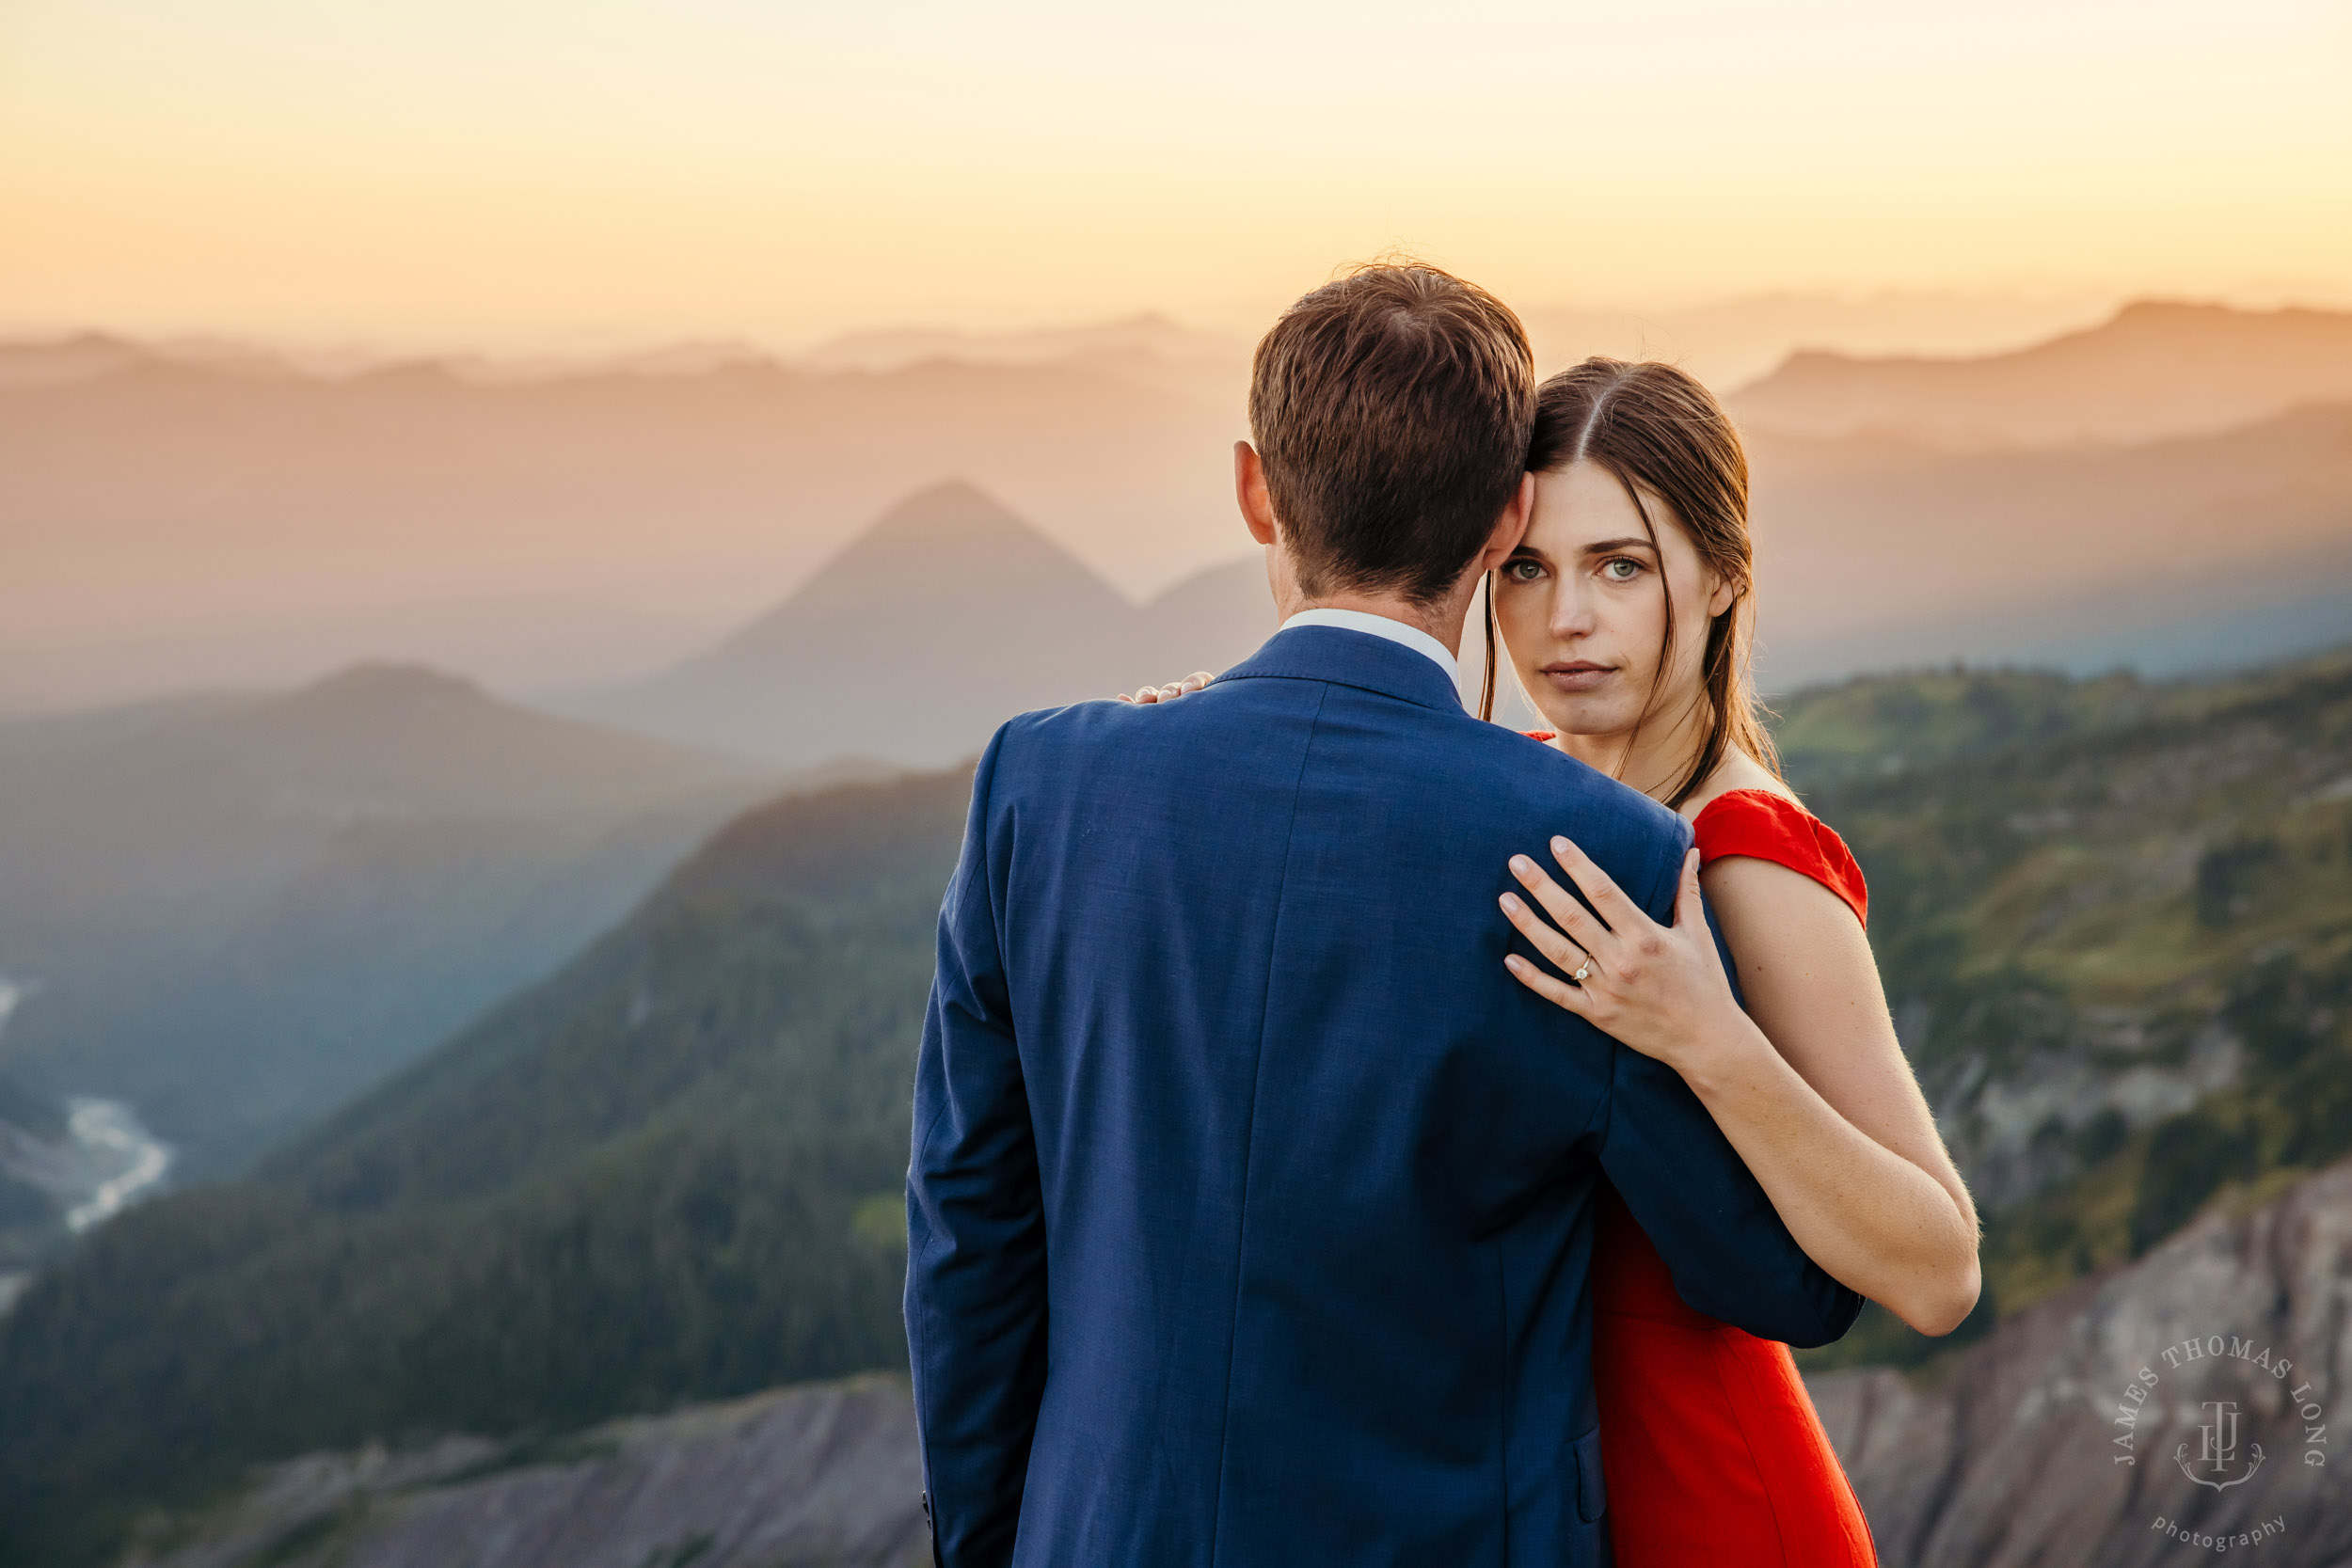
{"type": "Point", "coordinates": [1626, 613]}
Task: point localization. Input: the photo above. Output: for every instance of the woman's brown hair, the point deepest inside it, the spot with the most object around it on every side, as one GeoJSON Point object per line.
{"type": "Point", "coordinates": [1666, 438]}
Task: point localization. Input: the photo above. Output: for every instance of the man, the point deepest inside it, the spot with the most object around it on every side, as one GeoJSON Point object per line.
{"type": "Point", "coordinates": [1251, 1200]}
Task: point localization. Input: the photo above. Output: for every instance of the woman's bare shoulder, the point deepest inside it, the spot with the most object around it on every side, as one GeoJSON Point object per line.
{"type": "Point", "coordinates": [1737, 771]}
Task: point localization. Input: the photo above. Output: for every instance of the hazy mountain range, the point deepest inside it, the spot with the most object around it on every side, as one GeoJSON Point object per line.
{"type": "Point", "coordinates": [174, 521]}
{"type": "Point", "coordinates": [2184, 556]}
{"type": "Point", "coordinates": [185, 516]}
{"type": "Point", "coordinates": [233, 911]}
{"type": "Point", "coordinates": [2154, 369]}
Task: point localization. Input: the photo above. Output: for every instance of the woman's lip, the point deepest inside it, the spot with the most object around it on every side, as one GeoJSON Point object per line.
{"type": "Point", "coordinates": [1576, 676]}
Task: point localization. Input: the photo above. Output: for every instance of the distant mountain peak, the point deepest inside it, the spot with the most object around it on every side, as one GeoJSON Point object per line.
{"type": "Point", "coordinates": [67, 358]}
{"type": "Point", "coordinates": [2210, 315]}
{"type": "Point", "coordinates": [947, 584]}
{"type": "Point", "coordinates": [2173, 310]}
{"type": "Point", "coordinates": [954, 509]}
{"type": "Point", "coordinates": [952, 536]}
{"type": "Point", "coordinates": [378, 682]}
{"type": "Point", "coordinates": [2156, 370]}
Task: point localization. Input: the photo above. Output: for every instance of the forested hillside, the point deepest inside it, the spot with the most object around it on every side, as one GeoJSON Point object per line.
{"type": "Point", "coordinates": [2115, 922]}
{"type": "Point", "coordinates": [2113, 917]}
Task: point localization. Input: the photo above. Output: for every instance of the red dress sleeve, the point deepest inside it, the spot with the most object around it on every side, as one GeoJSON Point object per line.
{"type": "Point", "coordinates": [1769, 827]}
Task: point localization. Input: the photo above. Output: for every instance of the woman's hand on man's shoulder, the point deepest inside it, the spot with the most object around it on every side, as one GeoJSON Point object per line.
{"type": "Point", "coordinates": [1169, 693]}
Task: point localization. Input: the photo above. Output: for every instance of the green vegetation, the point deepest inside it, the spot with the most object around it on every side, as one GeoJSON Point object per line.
{"type": "Point", "coordinates": [671, 1172]}
{"type": "Point", "coordinates": [2161, 892]}
{"type": "Point", "coordinates": [1878, 727]}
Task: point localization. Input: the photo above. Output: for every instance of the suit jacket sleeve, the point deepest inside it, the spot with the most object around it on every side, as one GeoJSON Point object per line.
{"type": "Point", "coordinates": [1730, 1254]}
{"type": "Point", "coordinates": [975, 1255]}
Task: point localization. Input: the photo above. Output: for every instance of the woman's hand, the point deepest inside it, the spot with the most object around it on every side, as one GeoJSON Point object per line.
{"type": "Point", "coordinates": [1657, 989]}
{"type": "Point", "coordinates": [1193, 682]}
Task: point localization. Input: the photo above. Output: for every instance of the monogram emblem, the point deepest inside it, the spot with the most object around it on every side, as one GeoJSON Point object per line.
{"type": "Point", "coordinates": [2216, 1454]}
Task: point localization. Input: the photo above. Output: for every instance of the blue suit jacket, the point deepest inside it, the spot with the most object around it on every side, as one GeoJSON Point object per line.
{"type": "Point", "coordinates": [1251, 1202]}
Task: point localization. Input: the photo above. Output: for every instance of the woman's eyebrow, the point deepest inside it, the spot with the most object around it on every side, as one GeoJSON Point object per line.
{"type": "Point", "coordinates": [1633, 542]}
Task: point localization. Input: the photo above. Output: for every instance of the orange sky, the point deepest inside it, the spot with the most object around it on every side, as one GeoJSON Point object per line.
{"type": "Point", "coordinates": [521, 171]}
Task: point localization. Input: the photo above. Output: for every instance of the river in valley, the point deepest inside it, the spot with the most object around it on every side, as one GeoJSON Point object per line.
{"type": "Point", "coordinates": [106, 1160]}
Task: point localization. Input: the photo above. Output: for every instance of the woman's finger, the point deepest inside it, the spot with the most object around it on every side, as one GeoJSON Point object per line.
{"type": "Point", "coordinates": [1690, 904]}
{"type": "Point", "coordinates": [1551, 987]}
{"type": "Point", "coordinates": [1623, 915]}
{"type": "Point", "coordinates": [1556, 949]}
{"type": "Point", "coordinates": [1173, 689]}
{"type": "Point", "coordinates": [1573, 917]}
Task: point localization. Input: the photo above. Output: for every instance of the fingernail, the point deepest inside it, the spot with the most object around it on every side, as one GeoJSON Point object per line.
{"type": "Point", "coordinates": [1558, 843]}
{"type": "Point", "coordinates": [1521, 864]}
{"type": "Point", "coordinates": [1515, 964]}
{"type": "Point", "coordinates": [1511, 903]}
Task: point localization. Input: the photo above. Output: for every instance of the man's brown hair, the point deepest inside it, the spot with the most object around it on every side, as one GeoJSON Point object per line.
{"type": "Point", "coordinates": [1391, 410]}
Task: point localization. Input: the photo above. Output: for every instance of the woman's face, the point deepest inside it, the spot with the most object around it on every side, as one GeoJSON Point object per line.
{"type": "Point", "coordinates": [1580, 611]}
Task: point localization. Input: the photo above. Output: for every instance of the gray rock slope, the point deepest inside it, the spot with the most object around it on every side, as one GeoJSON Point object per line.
{"type": "Point", "coordinates": [791, 1479]}
{"type": "Point", "coordinates": [2011, 1458]}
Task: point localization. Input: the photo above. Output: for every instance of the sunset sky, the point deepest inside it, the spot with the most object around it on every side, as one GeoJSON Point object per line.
{"type": "Point", "coordinates": [574, 170]}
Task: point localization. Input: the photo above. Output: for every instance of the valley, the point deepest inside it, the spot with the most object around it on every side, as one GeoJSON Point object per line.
{"type": "Point", "coordinates": [224, 915]}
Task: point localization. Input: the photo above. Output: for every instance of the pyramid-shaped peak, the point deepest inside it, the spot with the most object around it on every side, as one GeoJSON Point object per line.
{"type": "Point", "coordinates": [381, 683]}
{"type": "Point", "coordinates": [953, 509]}
{"type": "Point", "coordinates": [950, 550]}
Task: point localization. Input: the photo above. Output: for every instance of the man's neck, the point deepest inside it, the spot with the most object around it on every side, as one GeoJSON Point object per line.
{"type": "Point", "coordinates": [1443, 621]}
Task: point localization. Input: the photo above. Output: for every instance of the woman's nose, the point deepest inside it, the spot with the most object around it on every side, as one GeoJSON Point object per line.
{"type": "Point", "coordinates": [1571, 615]}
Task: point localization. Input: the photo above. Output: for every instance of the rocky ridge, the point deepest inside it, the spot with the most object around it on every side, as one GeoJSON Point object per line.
{"type": "Point", "coordinates": [792, 1478]}
{"type": "Point", "coordinates": [2012, 1454]}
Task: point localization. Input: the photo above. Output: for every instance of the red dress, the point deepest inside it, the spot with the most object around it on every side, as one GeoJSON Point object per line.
{"type": "Point", "coordinates": [1714, 1454]}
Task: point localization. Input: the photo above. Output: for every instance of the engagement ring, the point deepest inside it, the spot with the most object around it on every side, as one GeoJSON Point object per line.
{"type": "Point", "coordinates": [1582, 970]}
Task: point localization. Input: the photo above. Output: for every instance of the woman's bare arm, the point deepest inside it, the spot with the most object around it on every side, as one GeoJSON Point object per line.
{"type": "Point", "coordinates": [1809, 1083]}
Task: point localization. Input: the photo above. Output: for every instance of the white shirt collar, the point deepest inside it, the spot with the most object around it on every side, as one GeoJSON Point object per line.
{"type": "Point", "coordinates": [1381, 625]}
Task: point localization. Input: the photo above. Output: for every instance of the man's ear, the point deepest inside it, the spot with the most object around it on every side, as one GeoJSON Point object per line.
{"type": "Point", "coordinates": [1510, 527]}
{"type": "Point", "coordinates": [1257, 504]}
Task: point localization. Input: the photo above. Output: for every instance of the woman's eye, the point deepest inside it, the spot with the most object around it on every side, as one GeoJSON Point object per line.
{"type": "Point", "coordinates": [1523, 571]}
{"type": "Point", "coordinates": [1621, 569]}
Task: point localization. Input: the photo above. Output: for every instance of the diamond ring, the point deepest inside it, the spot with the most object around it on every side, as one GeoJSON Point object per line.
{"type": "Point", "coordinates": [1582, 970]}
